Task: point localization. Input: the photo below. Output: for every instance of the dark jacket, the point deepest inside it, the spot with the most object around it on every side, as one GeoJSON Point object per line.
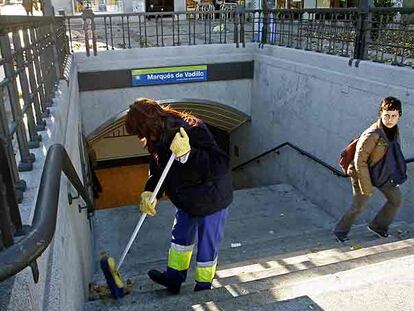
{"type": "Point", "coordinates": [202, 185]}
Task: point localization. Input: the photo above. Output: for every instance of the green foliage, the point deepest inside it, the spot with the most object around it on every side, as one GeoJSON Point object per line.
{"type": "Point", "coordinates": [408, 3]}
{"type": "Point", "coordinates": [383, 3]}
{"type": "Point", "coordinates": [395, 40]}
{"type": "Point", "coordinates": [408, 19]}
{"type": "Point", "coordinates": [381, 20]}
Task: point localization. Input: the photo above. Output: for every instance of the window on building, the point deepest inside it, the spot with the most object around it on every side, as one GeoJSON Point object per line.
{"type": "Point", "coordinates": [289, 4]}
{"type": "Point", "coordinates": [98, 5]}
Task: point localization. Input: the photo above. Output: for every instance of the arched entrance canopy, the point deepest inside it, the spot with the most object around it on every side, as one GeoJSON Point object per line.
{"type": "Point", "coordinates": [217, 115]}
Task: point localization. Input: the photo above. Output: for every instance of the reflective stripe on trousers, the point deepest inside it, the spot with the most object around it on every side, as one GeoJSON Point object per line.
{"type": "Point", "coordinates": [179, 256]}
{"type": "Point", "coordinates": [205, 271]}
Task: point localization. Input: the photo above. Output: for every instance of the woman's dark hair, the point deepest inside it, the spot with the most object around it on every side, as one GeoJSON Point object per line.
{"type": "Point", "coordinates": [146, 118]}
{"type": "Point", "coordinates": [389, 104]}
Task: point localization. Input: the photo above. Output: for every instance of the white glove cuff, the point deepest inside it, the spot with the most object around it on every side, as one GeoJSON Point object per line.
{"type": "Point", "coordinates": [184, 158]}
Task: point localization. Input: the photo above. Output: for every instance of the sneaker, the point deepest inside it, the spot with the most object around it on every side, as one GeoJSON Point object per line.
{"type": "Point", "coordinates": [378, 232]}
{"type": "Point", "coordinates": [341, 237]}
{"type": "Point", "coordinates": [160, 278]}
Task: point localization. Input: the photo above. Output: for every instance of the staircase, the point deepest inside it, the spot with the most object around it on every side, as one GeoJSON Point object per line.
{"type": "Point", "coordinates": [278, 254]}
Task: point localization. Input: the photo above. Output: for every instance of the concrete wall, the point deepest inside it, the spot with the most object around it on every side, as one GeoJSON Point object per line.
{"type": "Point", "coordinates": [99, 106]}
{"type": "Point", "coordinates": [318, 102]}
{"type": "Point", "coordinates": [67, 265]}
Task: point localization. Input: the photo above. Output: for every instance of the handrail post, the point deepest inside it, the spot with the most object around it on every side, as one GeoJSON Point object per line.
{"type": "Point", "coordinates": [87, 170]}
{"type": "Point", "coordinates": [62, 45]}
{"type": "Point", "coordinates": [39, 74]}
{"type": "Point", "coordinates": [26, 158]}
{"type": "Point", "coordinates": [44, 59]}
{"type": "Point", "coordinates": [5, 221]}
{"type": "Point", "coordinates": [54, 52]}
{"type": "Point", "coordinates": [35, 138]}
{"type": "Point", "coordinates": [266, 24]}
{"type": "Point", "coordinates": [6, 141]}
{"type": "Point", "coordinates": [89, 15]}
{"type": "Point", "coordinates": [361, 38]}
{"type": "Point", "coordinates": [30, 58]}
{"type": "Point", "coordinates": [236, 28]}
{"type": "Point", "coordinates": [241, 15]}
{"type": "Point", "coordinates": [47, 61]}
{"type": "Point", "coordinates": [10, 219]}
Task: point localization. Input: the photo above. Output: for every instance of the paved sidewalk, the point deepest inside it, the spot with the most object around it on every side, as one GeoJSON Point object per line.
{"type": "Point", "coordinates": [15, 8]}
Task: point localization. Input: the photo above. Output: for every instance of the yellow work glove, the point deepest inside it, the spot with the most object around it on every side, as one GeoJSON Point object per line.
{"type": "Point", "coordinates": [180, 145]}
{"type": "Point", "coordinates": [145, 206]}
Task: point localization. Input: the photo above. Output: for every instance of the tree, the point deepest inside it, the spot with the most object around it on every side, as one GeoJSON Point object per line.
{"type": "Point", "coordinates": [408, 19]}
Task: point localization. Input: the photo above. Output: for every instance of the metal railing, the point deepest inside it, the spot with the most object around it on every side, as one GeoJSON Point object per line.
{"type": "Point", "coordinates": [138, 30]}
{"type": "Point", "coordinates": [302, 152]}
{"type": "Point", "coordinates": [298, 149]}
{"type": "Point", "coordinates": [392, 36]}
{"type": "Point", "coordinates": [37, 237]}
{"type": "Point", "coordinates": [33, 55]}
{"type": "Point", "coordinates": [10, 220]}
{"type": "Point", "coordinates": [33, 51]}
{"type": "Point", "coordinates": [378, 34]}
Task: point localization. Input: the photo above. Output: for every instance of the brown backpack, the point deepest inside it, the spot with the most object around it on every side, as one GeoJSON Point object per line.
{"type": "Point", "coordinates": [347, 155]}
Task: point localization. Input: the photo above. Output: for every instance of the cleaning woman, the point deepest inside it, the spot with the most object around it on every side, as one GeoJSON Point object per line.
{"type": "Point", "coordinates": [198, 184]}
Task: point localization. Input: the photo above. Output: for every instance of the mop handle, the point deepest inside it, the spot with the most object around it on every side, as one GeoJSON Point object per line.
{"type": "Point", "coordinates": [143, 216]}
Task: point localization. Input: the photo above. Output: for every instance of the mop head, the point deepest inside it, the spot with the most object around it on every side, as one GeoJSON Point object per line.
{"type": "Point", "coordinates": [112, 276]}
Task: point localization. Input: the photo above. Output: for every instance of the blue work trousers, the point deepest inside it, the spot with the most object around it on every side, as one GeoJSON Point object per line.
{"type": "Point", "coordinates": [209, 230]}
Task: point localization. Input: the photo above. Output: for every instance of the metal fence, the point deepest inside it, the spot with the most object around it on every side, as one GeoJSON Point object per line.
{"type": "Point", "coordinates": [10, 220]}
{"type": "Point", "coordinates": [378, 34]}
{"type": "Point", "coordinates": [138, 30]}
{"type": "Point", "coordinates": [391, 34]}
{"type": "Point", "coordinates": [32, 57]}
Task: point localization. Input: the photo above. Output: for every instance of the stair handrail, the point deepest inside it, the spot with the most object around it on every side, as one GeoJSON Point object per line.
{"type": "Point", "coordinates": [305, 153]}
{"type": "Point", "coordinates": [39, 235]}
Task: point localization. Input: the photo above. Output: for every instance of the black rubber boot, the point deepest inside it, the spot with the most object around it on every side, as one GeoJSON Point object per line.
{"type": "Point", "coordinates": [202, 286]}
{"type": "Point", "coordinates": [160, 278]}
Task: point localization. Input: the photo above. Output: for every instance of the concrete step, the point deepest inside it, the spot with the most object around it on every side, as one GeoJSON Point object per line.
{"type": "Point", "coordinates": [295, 304]}
{"type": "Point", "coordinates": [385, 285]}
{"type": "Point", "coordinates": [258, 255]}
{"type": "Point", "coordinates": [290, 272]}
{"type": "Point", "coordinates": [260, 214]}
{"type": "Point", "coordinates": [303, 303]}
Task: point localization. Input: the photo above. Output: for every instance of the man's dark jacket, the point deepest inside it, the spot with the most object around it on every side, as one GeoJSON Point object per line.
{"type": "Point", "coordinates": [202, 185]}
